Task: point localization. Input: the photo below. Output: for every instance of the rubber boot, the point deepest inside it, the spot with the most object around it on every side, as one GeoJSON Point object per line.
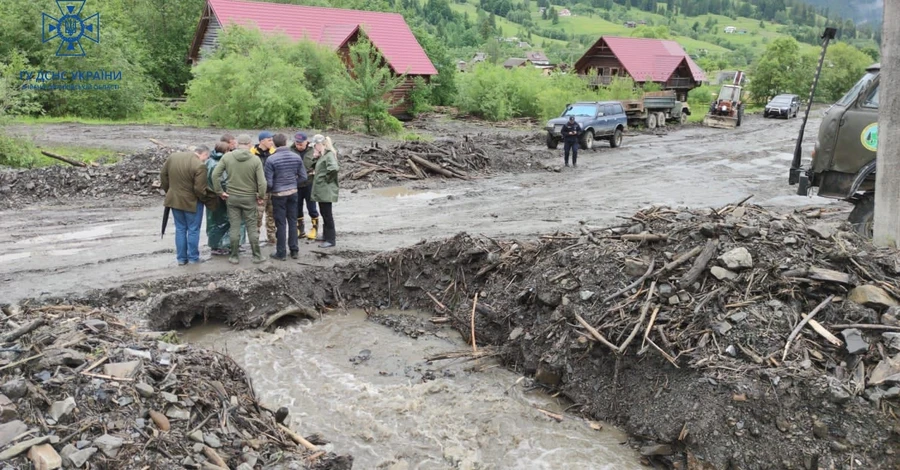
{"type": "Point", "coordinates": [301, 227]}
{"type": "Point", "coordinates": [314, 229]}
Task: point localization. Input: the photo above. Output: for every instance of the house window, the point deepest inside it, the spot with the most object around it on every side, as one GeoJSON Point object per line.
{"type": "Point", "coordinates": [614, 72]}
{"type": "Point", "coordinates": [606, 71]}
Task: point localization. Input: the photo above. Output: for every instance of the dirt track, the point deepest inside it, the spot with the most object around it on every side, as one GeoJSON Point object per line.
{"type": "Point", "coordinates": [97, 244]}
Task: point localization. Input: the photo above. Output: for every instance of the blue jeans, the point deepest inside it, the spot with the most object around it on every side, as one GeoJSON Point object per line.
{"type": "Point", "coordinates": [187, 234]}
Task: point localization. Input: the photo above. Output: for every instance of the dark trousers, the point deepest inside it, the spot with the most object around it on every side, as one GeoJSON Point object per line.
{"type": "Point", "coordinates": [571, 144]}
{"type": "Point", "coordinates": [284, 209]}
{"type": "Point", "coordinates": [328, 217]}
{"type": "Point", "coordinates": [306, 198]}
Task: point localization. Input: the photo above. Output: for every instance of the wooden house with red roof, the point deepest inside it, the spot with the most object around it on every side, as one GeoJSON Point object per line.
{"type": "Point", "coordinates": [643, 60]}
{"type": "Point", "coordinates": [332, 27]}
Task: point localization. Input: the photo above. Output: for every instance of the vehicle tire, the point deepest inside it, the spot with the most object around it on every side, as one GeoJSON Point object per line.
{"type": "Point", "coordinates": [551, 142]}
{"type": "Point", "coordinates": [862, 218]}
{"type": "Point", "coordinates": [651, 121]}
{"type": "Point", "coordinates": [684, 117]}
{"type": "Point", "coordinates": [587, 139]}
{"type": "Point", "coordinates": [661, 119]}
{"type": "Point", "coordinates": [616, 140]}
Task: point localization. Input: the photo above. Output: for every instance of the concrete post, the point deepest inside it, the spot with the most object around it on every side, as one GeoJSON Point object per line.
{"type": "Point", "coordinates": [887, 181]}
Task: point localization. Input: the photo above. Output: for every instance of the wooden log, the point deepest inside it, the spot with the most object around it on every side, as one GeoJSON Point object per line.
{"type": "Point", "coordinates": [214, 456]}
{"type": "Point", "coordinates": [363, 173]}
{"type": "Point", "coordinates": [866, 326]}
{"type": "Point", "coordinates": [304, 311]}
{"type": "Point", "coordinates": [432, 167]}
{"type": "Point", "coordinates": [646, 237]}
{"type": "Point", "coordinates": [680, 260]}
{"type": "Point", "coordinates": [415, 169]}
{"type": "Point", "coordinates": [708, 253]}
{"type": "Point", "coordinates": [827, 275]}
{"type": "Point", "coordinates": [22, 330]}
{"type": "Point", "coordinates": [63, 159]}
{"type": "Point", "coordinates": [634, 284]}
{"type": "Point", "coordinates": [640, 321]}
{"type": "Point", "coordinates": [298, 438]}
{"type": "Point", "coordinates": [596, 334]}
{"type": "Point", "coordinates": [803, 322]}
{"type": "Point", "coordinates": [823, 332]}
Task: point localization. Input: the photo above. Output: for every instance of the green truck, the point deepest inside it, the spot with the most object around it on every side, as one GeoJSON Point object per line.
{"type": "Point", "coordinates": [843, 160]}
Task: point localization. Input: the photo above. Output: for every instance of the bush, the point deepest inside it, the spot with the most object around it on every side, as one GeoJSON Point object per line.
{"type": "Point", "coordinates": [250, 83]}
{"type": "Point", "coordinates": [17, 153]}
{"type": "Point", "coordinates": [701, 97]}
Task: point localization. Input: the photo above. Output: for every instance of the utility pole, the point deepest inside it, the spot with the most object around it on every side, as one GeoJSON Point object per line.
{"type": "Point", "coordinates": [887, 181]}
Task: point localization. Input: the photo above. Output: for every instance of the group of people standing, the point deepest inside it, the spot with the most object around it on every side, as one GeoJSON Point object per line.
{"type": "Point", "coordinates": [242, 184]}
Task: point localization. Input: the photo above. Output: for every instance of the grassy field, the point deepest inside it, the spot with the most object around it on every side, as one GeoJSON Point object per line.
{"type": "Point", "coordinates": [509, 28]}
{"type": "Point", "coordinates": [83, 154]}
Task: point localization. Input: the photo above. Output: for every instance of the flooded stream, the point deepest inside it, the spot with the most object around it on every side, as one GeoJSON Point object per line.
{"type": "Point", "coordinates": [370, 393]}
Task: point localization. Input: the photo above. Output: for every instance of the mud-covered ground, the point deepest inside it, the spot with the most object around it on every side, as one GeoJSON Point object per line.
{"type": "Point", "coordinates": [70, 245]}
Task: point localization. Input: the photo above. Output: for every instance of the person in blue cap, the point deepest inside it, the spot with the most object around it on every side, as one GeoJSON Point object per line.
{"type": "Point", "coordinates": [264, 149]}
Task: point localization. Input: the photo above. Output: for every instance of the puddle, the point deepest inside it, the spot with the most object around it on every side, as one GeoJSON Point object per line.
{"type": "Point", "coordinates": [361, 386]}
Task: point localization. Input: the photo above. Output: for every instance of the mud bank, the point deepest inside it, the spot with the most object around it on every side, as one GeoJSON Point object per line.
{"type": "Point", "coordinates": [694, 367]}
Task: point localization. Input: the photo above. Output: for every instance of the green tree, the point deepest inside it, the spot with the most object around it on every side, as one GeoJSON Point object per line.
{"type": "Point", "coordinates": [845, 65]}
{"type": "Point", "coordinates": [781, 69]}
{"type": "Point", "coordinates": [367, 90]}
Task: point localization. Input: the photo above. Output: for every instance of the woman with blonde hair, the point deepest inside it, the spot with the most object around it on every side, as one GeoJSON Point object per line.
{"type": "Point", "coordinates": [325, 184]}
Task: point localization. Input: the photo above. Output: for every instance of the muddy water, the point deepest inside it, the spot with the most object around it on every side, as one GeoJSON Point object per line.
{"type": "Point", "coordinates": [360, 385]}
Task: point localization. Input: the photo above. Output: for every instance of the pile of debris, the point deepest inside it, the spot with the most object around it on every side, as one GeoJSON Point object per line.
{"type": "Point", "coordinates": [418, 160]}
{"type": "Point", "coordinates": [134, 175]}
{"type": "Point", "coordinates": [728, 336]}
{"type": "Point", "coordinates": [79, 389]}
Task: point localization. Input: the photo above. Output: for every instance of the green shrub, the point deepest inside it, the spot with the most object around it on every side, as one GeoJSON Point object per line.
{"type": "Point", "coordinates": [17, 153]}
{"type": "Point", "coordinates": [701, 97]}
{"type": "Point", "coordinates": [420, 98]}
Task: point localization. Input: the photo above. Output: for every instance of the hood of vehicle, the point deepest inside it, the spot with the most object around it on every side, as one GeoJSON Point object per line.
{"type": "Point", "coordinates": [560, 121]}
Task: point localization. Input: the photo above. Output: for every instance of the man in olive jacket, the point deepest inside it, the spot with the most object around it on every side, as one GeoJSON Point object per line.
{"type": "Point", "coordinates": [246, 184]}
{"type": "Point", "coordinates": [183, 178]}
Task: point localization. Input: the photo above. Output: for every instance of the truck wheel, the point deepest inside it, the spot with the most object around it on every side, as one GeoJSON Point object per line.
{"type": "Point", "coordinates": [587, 139]}
{"type": "Point", "coordinates": [651, 121]}
{"type": "Point", "coordinates": [863, 216]}
{"type": "Point", "coordinates": [684, 118]}
{"type": "Point", "coordinates": [661, 119]}
{"type": "Point", "coordinates": [616, 140]}
{"type": "Point", "coordinates": [551, 142]}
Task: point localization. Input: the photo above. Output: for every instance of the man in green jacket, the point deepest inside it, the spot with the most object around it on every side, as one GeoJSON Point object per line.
{"type": "Point", "coordinates": [246, 182]}
{"type": "Point", "coordinates": [183, 178]}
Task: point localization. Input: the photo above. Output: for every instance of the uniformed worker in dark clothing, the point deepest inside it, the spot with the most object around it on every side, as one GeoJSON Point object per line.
{"type": "Point", "coordinates": [570, 132]}
{"type": "Point", "coordinates": [302, 148]}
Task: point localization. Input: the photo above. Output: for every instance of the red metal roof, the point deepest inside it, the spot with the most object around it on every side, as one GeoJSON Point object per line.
{"type": "Point", "coordinates": [653, 58]}
{"type": "Point", "coordinates": [332, 27]}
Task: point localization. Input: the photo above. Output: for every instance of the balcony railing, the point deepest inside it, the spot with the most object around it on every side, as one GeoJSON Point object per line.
{"type": "Point", "coordinates": [680, 83]}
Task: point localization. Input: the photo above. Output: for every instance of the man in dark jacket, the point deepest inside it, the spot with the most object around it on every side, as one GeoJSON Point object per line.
{"type": "Point", "coordinates": [183, 178]}
{"type": "Point", "coordinates": [570, 132]}
{"type": "Point", "coordinates": [264, 149]}
{"type": "Point", "coordinates": [284, 174]}
{"type": "Point", "coordinates": [301, 147]}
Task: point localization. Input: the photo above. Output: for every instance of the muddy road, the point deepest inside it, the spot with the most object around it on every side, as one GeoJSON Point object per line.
{"type": "Point", "coordinates": [86, 244]}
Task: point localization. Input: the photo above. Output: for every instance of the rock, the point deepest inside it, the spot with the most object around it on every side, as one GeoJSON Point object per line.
{"type": "Point", "coordinates": [739, 316]}
{"type": "Point", "coordinates": [109, 445]}
{"type": "Point", "coordinates": [586, 295]}
{"type": "Point", "coordinates": [635, 267]}
{"type": "Point", "coordinates": [722, 273]}
{"type": "Point", "coordinates": [836, 392]}
{"type": "Point", "coordinates": [708, 230]}
{"type": "Point", "coordinates": [748, 232]}
{"type": "Point", "coordinates": [891, 340]}
{"type": "Point", "coordinates": [167, 347]}
{"type": "Point", "coordinates": [664, 289]}
{"type": "Point", "coordinates": [549, 298]}
{"type": "Point", "coordinates": [169, 397]}
{"type": "Point", "coordinates": [738, 258]}
{"type": "Point", "coordinates": [198, 447]}
{"type": "Point", "coordinates": [547, 377]}
{"type": "Point", "coordinates": [789, 241]}
{"type": "Point", "coordinates": [61, 409]}
{"type": "Point", "coordinates": [29, 186]}
{"type": "Point", "coordinates": [855, 342]}
{"type": "Point", "coordinates": [122, 370]}
{"type": "Point", "coordinates": [245, 466]}
{"type": "Point", "coordinates": [212, 440]}
{"type": "Point", "coordinates": [782, 424]}
{"type": "Point", "coordinates": [892, 392]}
{"type": "Point", "coordinates": [8, 410]}
{"type": "Point", "coordinates": [23, 447]}
{"type": "Point", "coordinates": [44, 457]}
{"type": "Point", "coordinates": [67, 451]}
{"type": "Point", "coordinates": [872, 296]}
{"type": "Point", "coordinates": [874, 395]}
{"type": "Point", "coordinates": [823, 230]}
{"type": "Point", "coordinates": [175, 412]}
{"type": "Point", "coordinates": [138, 353]}
{"type": "Point", "coordinates": [15, 388]}
{"type": "Point", "coordinates": [61, 357]}
{"type": "Point", "coordinates": [516, 333]}
{"type": "Point", "coordinates": [10, 430]}
{"type": "Point", "coordinates": [657, 450]}
{"type": "Point", "coordinates": [196, 436]}
{"type": "Point", "coordinates": [820, 429]}
{"type": "Point", "coordinates": [721, 327]}
{"type": "Point", "coordinates": [144, 390]}
{"type": "Point", "coordinates": [81, 457]}
{"type": "Point", "coordinates": [96, 325]}
{"type": "Point", "coordinates": [887, 370]}
{"type": "Point", "coordinates": [738, 212]}
{"type": "Point", "coordinates": [731, 351]}
{"type": "Point", "coordinates": [159, 420]}
{"type": "Point", "coordinates": [674, 300]}
{"type": "Point", "coordinates": [891, 317]}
